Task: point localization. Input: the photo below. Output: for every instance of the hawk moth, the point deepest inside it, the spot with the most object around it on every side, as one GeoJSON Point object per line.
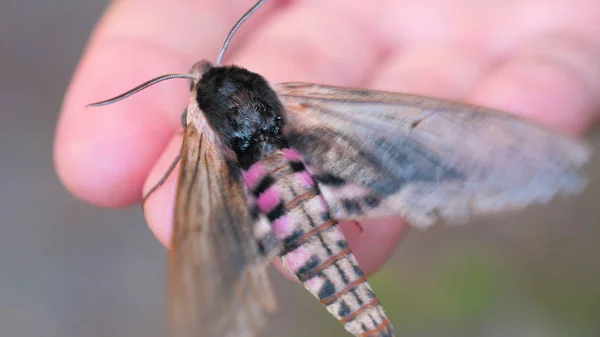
{"type": "Point", "coordinates": [268, 170]}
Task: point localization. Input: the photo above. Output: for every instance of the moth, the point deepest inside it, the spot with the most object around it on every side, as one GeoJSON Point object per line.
{"type": "Point", "coordinates": [267, 171]}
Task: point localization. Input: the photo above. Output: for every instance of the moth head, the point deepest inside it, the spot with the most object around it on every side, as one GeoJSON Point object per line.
{"type": "Point", "coordinates": [240, 106]}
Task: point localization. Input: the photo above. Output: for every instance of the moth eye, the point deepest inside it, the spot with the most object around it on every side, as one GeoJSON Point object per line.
{"type": "Point", "coordinates": [184, 118]}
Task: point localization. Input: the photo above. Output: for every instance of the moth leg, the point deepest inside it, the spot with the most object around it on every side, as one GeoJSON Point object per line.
{"type": "Point", "coordinates": [162, 179]}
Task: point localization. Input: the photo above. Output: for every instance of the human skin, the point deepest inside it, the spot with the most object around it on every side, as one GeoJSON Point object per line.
{"type": "Point", "coordinates": [538, 59]}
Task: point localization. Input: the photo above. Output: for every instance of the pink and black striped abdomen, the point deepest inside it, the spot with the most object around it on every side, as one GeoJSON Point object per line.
{"type": "Point", "coordinates": [289, 210]}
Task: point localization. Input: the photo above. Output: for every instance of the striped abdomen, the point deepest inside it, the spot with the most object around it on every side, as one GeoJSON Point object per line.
{"type": "Point", "coordinates": [314, 247]}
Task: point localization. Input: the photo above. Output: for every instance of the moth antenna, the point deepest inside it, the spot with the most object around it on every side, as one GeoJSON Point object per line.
{"type": "Point", "coordinates": [236, 27]}
{"type": "Point", "coordinates": [140, 88]}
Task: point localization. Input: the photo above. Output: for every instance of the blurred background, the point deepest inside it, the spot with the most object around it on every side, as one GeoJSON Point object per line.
{"type": "Point", "coordinates": [68, 269]}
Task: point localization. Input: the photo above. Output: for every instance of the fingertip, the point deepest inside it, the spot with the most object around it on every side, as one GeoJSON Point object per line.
{"type": "Point", "coordinates": [442, 70]}
{"type": "Point", "coordinates": [376, 242]}
{"type": "Point", "coordinates": [553, 80]}
{"type": "Point", "coordinates": [93, 171]}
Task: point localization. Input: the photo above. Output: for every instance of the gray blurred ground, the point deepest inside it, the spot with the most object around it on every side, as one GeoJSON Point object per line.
{"type": "Point", "coordinates": [69, 269]}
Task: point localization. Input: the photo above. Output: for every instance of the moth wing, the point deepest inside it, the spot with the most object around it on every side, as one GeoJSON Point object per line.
{"type": "Point", "coordinates": [217, 281]}
{"type": "Point", "coordinates": [378, 154]}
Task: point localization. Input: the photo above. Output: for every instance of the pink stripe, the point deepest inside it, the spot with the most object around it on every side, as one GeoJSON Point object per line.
{"type": "Point", "coordinates": [291, 154]}
{"type": "Point", "coordinates": [306, 179]}
{"type": "Point", "coordinates": [269, 199]}
{"type": "Point", "coordinates": [254, 175]}
{"type": "Point", "coordinates": [297, 258]}
{"type": "Point", "coordinates": [283, 227]}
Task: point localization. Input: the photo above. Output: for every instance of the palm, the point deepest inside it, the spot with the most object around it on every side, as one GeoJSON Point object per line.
{"type": "Point", "coordinates": [531, 57]}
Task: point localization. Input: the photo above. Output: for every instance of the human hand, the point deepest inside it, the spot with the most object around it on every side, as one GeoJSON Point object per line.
{"type": "Point", "coordinates": [539, 59]}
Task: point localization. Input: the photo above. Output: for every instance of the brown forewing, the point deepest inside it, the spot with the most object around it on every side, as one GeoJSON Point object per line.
{"type": "Point", "coordinates": [217, 280]}
{"type": "Point", "coordinates": [379, 154]}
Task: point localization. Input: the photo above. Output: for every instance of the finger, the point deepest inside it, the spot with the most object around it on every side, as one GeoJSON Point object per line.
{"type": "Point", "coordinates": [311, 41]}
{"type": "Point", "coordinates": [103, 154]}
{"type": "Point", "coordinates": [554, 79]}
{"type": "Point", "coordinates": [375, 241]}
{"type": "Point", "coordinates": [441, 70]}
